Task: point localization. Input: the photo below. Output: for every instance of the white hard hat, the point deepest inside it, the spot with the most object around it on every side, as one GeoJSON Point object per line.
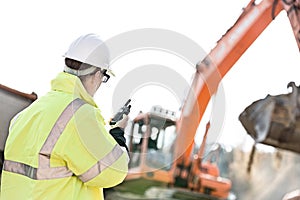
{"type": "Point", "coordinates": [90, 49]}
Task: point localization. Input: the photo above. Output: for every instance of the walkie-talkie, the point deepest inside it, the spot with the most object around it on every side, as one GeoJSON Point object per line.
{"type": "Point", "coordinates": [124, 110]}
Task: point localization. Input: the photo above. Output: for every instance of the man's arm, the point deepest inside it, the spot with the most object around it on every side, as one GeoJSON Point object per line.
{"type": "Point", "coordinates": [92, 153]}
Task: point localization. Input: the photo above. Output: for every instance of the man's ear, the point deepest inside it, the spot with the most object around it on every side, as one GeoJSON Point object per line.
{"type": "Point", "coordinates": [98, 75]}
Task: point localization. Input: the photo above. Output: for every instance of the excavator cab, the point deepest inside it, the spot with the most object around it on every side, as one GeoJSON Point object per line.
{"type": "Point", "coordinates": [151, 143]}
{"type": "Point", "coordinates": [153, 166]}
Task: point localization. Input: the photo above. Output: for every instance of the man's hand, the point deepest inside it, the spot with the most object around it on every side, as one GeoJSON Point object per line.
{"type": "Point", "coordinates": [117, 131]}
{"type": "Point", "coordinates": [122, 123]}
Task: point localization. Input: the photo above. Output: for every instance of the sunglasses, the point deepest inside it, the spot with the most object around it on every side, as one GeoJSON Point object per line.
{"type": "Point", "coordinates": [105, 76]}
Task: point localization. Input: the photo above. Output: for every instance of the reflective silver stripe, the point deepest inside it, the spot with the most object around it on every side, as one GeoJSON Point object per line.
{"type": "Point", "coordinates": [58, 128]}
{"type": "Point", "coordinates": [36, 173]}
{"type": "Point", "coordinates": [44, 171]}
{"type": "Point", "coordinates": [19, 168]}
{"type": "Point", "coordinates": [102, 164]}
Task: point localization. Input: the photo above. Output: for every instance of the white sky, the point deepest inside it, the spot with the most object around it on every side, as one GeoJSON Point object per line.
{"type": "Point", "coordinates": [34, 35]}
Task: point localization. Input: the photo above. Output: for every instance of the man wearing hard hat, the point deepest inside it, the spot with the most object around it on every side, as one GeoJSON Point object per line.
{"type": "Point", "coordinates": [58, 147]}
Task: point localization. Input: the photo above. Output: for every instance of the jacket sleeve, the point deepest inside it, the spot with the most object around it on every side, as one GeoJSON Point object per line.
{"type": "Point", "coordinates": [92, 153]}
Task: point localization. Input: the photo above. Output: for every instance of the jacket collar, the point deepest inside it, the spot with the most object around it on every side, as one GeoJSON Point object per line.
{"type": "Point", "coordinates": [71, 84]}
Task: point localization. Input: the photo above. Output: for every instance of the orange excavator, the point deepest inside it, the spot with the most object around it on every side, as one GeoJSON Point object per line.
{"type": "Point", "coordinates": [210, 71]}
{"type": "Point", "coordinates": [162, 146]}
{"type": "Point", "coordinates": [151, 145]}
{"type": "Point", "coordinates": [160, 157]}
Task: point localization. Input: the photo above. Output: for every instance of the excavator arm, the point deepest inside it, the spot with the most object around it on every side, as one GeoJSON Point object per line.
{"type": "Point", "coordinates": [210, 71]}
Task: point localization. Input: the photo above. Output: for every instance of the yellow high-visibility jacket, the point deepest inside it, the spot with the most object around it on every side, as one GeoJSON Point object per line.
{"type": "Point", "coordinates": [58, 148]}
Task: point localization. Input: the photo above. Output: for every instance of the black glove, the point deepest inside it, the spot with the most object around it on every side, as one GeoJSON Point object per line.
{"type": "Point", "coordinates": [118, 135]}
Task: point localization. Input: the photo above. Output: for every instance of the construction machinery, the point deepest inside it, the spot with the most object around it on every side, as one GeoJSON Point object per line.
{"type": "Point", "coordinates": [275, 121]}
{"type": "Point", "coordinates": [210, 71]}
{"type": "Point", "coordinates": [152, 167]}
{"type": "Point", "coordinates": [177, 168]}
{"type": "Point", "coordinates": [166, 160]}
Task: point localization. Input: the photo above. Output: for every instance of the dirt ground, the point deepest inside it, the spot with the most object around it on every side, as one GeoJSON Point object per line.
{"type": "Point", "coordinates": [272, 175]}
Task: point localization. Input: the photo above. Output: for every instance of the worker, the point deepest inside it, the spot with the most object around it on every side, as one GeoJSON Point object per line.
{"type": "Point", "coordinates": [58, 147]}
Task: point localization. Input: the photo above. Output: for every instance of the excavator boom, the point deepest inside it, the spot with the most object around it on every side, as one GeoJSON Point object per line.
{"type": "Point", "coordinates": [210, 71]}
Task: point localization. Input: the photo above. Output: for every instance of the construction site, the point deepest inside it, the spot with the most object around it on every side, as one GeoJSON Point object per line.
{"type": "Point", "coordinates": [165, 161]}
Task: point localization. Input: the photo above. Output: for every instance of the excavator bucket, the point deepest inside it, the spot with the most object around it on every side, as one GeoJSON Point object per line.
{"type": "Point", "coordinates": [275, 120]}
